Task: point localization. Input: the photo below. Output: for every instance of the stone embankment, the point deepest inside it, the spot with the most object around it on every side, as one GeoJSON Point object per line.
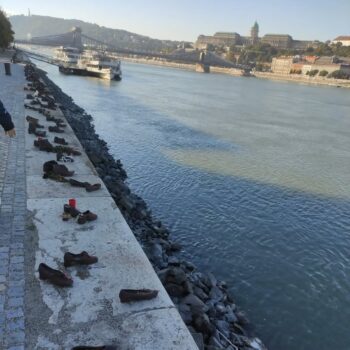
{"type": "Point", "coordinates": [238, 72]}
{"type": "Point", "coordinates": [203, 301]}
{"type": "Point", "coordinates": [304, 80]}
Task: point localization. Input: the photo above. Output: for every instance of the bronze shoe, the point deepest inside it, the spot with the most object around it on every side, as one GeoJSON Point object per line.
{"type": "Point", "coordinates": [74, 212]}
{"type": "Point", "coordinates": [60, 169]}
{"type": "Point", "coordinates": [56, 129]}
{"type": "Point", "coordinates": [53, 276]}
{"type": "Point", "coordinates": [60, 141]}
{"type": "Point", "coordinates": [86, 216]}
{"type": "Point", "coordinates": [44, 145]}
{"type": "Point", "coordinates": [131, 295]}
{"type": "Point", "coordinates": [92, 188]}
{"type": "Point", "coordinates": [83, 258]}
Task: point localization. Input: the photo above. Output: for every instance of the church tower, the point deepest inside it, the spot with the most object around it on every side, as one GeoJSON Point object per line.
{"type": "Point", "coordinates": [254, 33]}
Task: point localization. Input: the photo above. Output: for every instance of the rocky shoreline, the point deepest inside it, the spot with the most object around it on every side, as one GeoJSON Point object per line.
{"type": "Point", "coordinates": [202, 301]}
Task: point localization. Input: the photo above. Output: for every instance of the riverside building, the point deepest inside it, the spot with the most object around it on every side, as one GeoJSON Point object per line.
{"type": "Point", "coordinates": [227, 39]}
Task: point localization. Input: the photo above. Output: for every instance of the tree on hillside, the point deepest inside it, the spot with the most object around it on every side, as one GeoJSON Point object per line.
{"type": "Point", "coordinates": [6, 33]}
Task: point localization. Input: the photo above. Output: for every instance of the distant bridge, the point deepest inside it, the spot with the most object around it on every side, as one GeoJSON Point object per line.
{"type": "Point", "coordinates": [75, 38]}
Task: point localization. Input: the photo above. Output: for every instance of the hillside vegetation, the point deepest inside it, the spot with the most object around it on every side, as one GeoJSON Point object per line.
{"type": "Point", "coordinates": [34, 25]}
{"type": "Point", "coordinates": [6, 33]}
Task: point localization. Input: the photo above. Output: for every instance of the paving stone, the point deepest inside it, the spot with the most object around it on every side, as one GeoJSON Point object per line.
{"type": "Point", "coordinates": [15, 302]}
{"type": "Point", "coordinates": [15, 338]}
{"type": "Point", "coordinates": [14, 313]}
{"type": "Point", "coordinates": [13, 212]}
{"type": "Point", "coordinates": [18, 347]}
{"type": "Point", "coordinates": [16, 324]}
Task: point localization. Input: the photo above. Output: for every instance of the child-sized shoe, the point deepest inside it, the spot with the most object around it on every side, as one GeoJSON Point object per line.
{"type": "Point", "coordinates": [65, 159]}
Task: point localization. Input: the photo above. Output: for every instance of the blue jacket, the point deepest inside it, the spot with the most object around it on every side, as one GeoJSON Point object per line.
{"type": "Point", "coordinates": [5, 118]}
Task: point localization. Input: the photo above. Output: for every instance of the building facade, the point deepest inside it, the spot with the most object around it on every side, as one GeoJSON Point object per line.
{"type": "Point", "coordinates": [281, 41]}
{"type": "Point", "coordinates": [302, 65]}
{"type": "Point", "coordinates": [344, 40]}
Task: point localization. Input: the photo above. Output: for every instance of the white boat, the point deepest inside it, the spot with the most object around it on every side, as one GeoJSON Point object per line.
{"type": "Point", "coordinates": [89, 63]}
{"type": "Point", "coordinates": [100, 65]}
{"type": "Point", "coordinates": [67, 55]}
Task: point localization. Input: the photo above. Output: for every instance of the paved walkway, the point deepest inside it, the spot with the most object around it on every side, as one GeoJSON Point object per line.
{"type": "Point", "coordinates": [12, 214]}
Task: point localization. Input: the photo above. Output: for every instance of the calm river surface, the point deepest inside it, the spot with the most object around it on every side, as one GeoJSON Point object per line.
{"type": "Point", "coordinates": [252, 176]}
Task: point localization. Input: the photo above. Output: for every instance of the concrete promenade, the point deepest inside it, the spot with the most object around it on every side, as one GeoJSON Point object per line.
{"type": "Point", "coordinates": [37, 315]}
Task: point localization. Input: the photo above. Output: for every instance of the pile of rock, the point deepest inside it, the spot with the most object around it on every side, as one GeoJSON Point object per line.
{"type": "Point", "coordinates": [202, 300]}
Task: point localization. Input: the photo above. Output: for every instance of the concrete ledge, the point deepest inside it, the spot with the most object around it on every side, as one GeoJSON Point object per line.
{"type": "Point", "coordinates": [90, 312]}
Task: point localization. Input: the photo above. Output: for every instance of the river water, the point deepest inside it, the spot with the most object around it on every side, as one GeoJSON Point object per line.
{"type": "Point", "coordinates": [252, 176]}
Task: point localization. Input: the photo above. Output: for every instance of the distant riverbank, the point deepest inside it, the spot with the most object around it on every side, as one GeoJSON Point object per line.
{"type": "Point", "coordinates": [304, 79]}
{"type": "Point", "coordinates": [237, 72]}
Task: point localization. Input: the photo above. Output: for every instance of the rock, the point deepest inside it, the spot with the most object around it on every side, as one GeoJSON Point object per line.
{"type": "Point", "coordinates": [256, 344]}
{"type": "Point", "coordinates": [155, 251]}
{"type": "Point", "coordinates": [200, 293]}
{"type": "Point", "coordinates": [215, 342]}
{"type": "Point", "coordinates": [195, 303]}
{"type": "Point", "coordinates": [188, 266]}
{"type": "Point", "coordinates": [185, 312]}
{"type": "Point", "coordinates": [176, 275]}
{"type": "Point", "coordinates": [242, 318]}
{"type": "Point", "coordinates": [173, 261]}
{"type": "Point", "coordinates": [220, 308]}
{"type": "Point", "coordinates": [216, 294]}
{"type": "Point", "coordinates": [202, 324]}
{"type": "Point", "coordinates": [175, 290]}
{"type": "Point", "coordinates": [231, 317]}
{"type": "Point", "coordinates": [223, 327]}
{"type": "Point", "coordinates": [212, 279]}
{"type": "Point", "coordinates": [175, 247]}
{"type": "Point", "coordinates": [198, 338]}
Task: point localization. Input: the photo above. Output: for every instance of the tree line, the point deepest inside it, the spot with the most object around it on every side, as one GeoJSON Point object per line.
{"type": "Point", "coordinates": [6, 32]}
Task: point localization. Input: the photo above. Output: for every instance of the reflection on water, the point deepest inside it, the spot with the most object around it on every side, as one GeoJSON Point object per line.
{"type": "Point", "coordinates": [252, 177]}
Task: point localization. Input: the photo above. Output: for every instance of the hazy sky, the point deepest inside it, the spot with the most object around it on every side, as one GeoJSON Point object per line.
{"type": "Point", "coordinates": [186, 19]}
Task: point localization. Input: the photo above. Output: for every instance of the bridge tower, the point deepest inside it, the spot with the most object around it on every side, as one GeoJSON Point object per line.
{"type": "Point", "coordinates": [76, 37]}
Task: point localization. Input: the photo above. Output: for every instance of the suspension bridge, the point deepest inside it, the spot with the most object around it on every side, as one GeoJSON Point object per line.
{"type": "Point", "coordinates": [76, 38]}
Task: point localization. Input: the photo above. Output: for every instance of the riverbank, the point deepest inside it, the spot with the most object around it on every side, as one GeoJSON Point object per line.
{"type": "Point", "coordinates": [320, 81]}
{"type": "Point", "coordinates": [202, 301]}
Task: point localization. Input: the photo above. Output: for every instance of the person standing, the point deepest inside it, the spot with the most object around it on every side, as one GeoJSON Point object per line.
{"type": "Point", "coordinates": [6, 121]}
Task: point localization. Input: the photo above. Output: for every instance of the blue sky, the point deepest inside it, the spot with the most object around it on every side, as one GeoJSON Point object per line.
{"type": "Point", "coordinates": [186, 19]}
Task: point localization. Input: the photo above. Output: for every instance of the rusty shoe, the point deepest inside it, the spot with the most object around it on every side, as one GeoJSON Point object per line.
{"type": "Point", "coordinates": [44, 145]}
{"type": "Point", "coordinates": [60, 141]}
{"type": "Point", "coordinates": [92, 188]}
{"type": "Point", "coordinates": [40, 133]}
{"type": "Point", "coordinates": [53, 276]}
{"type": "Point", "coordinates": [83, 258]}
{"type": "Point", "coordinates": [85, 217]}
{"type": "Point", "coordinates": [131, 295]}
{"type": "Point", "coordinates": [60, 169]}
{"type": "Point", "coordinates": [73, 212]}
{"type": "Point", "coordinates": [55, 129]}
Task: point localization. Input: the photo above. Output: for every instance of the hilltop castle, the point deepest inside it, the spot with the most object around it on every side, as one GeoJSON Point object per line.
{"type": "Point", "coordinates": [222, 39]}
